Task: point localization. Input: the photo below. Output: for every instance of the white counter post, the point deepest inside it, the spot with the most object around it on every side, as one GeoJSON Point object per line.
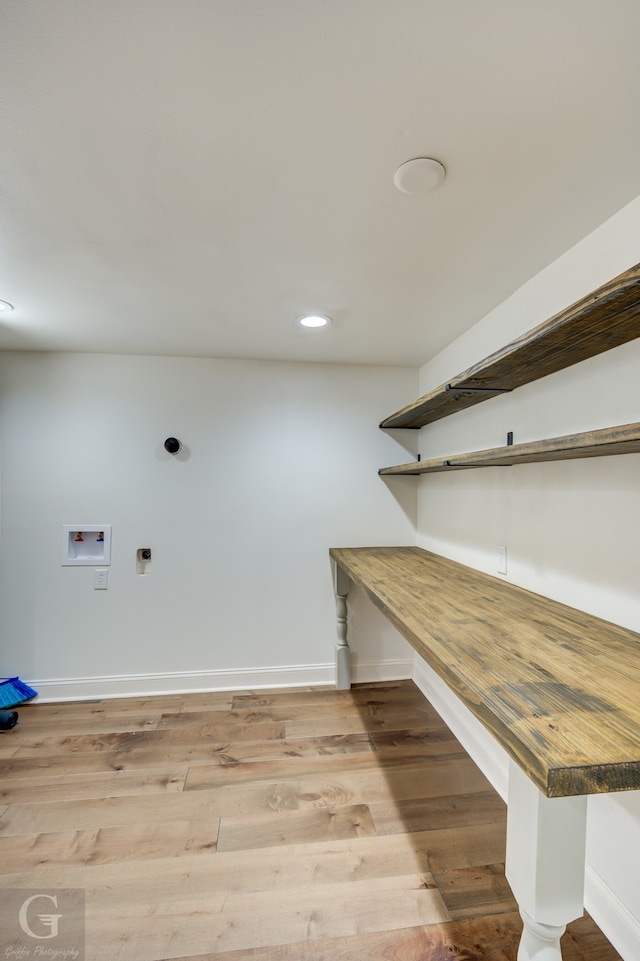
{"type": "Point", "coordinates": [545, 864]}
{"type": "Point", "coordinates": [341, 585]}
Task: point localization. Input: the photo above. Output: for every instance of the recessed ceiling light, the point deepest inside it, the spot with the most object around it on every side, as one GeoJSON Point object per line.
{"type": "Point", "coordinates": [419, 176]}
{"type": "Point", "coordinates": [5, 305]}
{"type": "Point", "coordinates": [314, 320]}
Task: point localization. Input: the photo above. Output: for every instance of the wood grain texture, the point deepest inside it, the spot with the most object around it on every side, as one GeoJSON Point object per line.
{"type": "Point", "coordinates": [179, 926]}
{"type": "Point", "coordinates": [281, 866]}
{"type": "Point", "coordinates": [48, 857]}
{"type": "Point", "coordinates": [16, 790]}
{"type": "Point", "coordinates": [252, 856]}
{"type": "Point", "coordinates": [324, 725]}
{"type": "Point", "coordinates": [323, 766]}
{"type": "Point", "coordinates": [593, 443]}
{"type": "Point", "coordinates": [605, 318]}
{"type": "Point", "coordinates": [397, 744]}
{"type": "Point", "coordinates": [383, 693]}
{"type": "Point", "coordinates": [492, 938]}
{"type": "Point", "coordinates": [558, 688]}
{"type": "Point", "coordinates": [469, 892]}
{"type": "Point", "coordinates": [324, 824]}
{"type": "Point", "coordinates": [195, 746]}
{"type": "Point", "coordinates": [438, 812]}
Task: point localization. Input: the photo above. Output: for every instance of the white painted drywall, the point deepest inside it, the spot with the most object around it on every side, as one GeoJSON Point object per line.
{"type": "Point", "coordinates": [279, 463]}
{"type": "Point", "coordinates": [572, 529]}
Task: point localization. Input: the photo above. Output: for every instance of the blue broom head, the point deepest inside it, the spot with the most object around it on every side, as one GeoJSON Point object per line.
{"type": "Point", "coordinates": [14, 691]}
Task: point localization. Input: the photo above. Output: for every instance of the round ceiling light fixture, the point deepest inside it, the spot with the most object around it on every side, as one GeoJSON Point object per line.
{"type": "Point", "coordinates": [314, 320]}
{"type": "Point", "coordinates": [419, 176]}
{"type": "Point", "coordinates": [5, 305]}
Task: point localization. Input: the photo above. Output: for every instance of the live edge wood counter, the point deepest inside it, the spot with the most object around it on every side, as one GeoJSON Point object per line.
{"type": "Point", "coordinates": [557, 688]}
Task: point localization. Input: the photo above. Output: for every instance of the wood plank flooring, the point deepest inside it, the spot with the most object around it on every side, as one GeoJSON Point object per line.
{"type": "Point", "coordinates": [294, 825]}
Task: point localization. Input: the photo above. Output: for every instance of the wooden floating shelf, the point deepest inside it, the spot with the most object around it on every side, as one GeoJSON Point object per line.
{"type": "Point", "coordinates": [605, 318]}
{"type": "Point", "coordinates": [592, 443]}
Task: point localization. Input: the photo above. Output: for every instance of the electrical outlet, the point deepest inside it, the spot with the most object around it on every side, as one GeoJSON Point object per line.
{"type": "Point", "coordinates": [100, 580]}
{"type": "Point", "coordinates": [502, 559]}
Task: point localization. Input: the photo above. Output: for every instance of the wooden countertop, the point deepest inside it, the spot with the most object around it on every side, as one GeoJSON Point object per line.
{"type": "Point", "coordinates": [559, 689]}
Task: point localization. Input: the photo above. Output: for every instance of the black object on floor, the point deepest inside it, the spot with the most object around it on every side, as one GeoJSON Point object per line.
{"type": "Point", "coordinates": [8, 719]}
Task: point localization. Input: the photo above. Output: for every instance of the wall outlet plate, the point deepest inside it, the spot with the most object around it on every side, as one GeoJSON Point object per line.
{"type": "Point", "coordinates": [502, 559]}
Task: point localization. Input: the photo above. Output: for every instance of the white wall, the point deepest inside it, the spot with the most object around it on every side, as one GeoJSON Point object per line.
{"type": "Point", "coordinates": [572, 529]}
{"type": "Point", "coordinates": [279, 463]}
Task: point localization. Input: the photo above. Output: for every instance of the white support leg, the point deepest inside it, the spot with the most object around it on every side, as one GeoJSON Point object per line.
{"type": "Point", "coordinates": [341, 585]}
{"type": "Point", "coordinates": [545, 864]}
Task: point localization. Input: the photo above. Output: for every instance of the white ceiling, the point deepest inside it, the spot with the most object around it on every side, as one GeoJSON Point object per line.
{"type": "Point", "coordinates": [189, 176]}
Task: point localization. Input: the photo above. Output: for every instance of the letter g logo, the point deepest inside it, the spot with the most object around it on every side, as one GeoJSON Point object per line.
{"type": "Point", "coordinates": [49, 921]}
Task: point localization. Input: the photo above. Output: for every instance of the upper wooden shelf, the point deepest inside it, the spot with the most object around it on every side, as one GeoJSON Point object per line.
{"type": "Point", "coordinates": [559, 689]}
{"type": "Point", "coordinates": [592, 443]}
{"type": "Point", "coordinates": [606, 318]}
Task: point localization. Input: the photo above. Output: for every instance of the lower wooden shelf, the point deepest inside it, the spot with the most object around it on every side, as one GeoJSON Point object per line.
{"type": "Point", "coordinates": [593, 443]}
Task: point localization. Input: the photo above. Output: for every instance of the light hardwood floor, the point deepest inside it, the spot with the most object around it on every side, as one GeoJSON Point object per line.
{"type": "Point", "coordinates": [295, 825]}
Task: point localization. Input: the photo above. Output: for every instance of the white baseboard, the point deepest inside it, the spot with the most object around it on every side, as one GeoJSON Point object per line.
{"type": "Point", "coordinates": [615, 920]}
{"type": "Point", "coordinates": [392, 670]}
{"type": "Point", "coordinates": [187, 682]}
{"type": "Point", "coordinates": [241, 679]}
{"type": "Point", "coordinates": [612, 917]}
